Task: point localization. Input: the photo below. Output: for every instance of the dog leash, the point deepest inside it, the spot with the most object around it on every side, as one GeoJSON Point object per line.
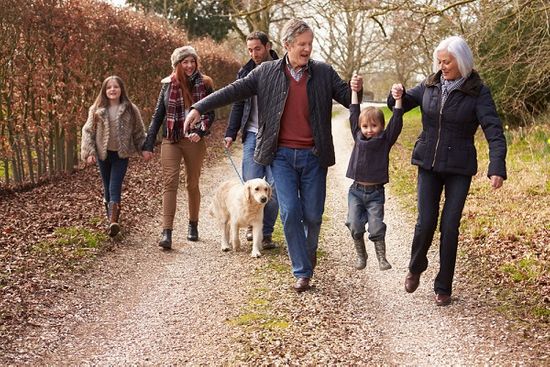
{"type": "Point", "coordinates": [233, 163]}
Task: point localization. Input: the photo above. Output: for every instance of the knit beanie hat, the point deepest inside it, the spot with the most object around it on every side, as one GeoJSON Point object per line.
{"type": "Point", "coordinates": [181, 53]}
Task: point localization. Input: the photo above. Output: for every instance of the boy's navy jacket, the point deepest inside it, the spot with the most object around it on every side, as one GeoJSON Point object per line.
{"type": "Point", "coordinates": [370, 158]}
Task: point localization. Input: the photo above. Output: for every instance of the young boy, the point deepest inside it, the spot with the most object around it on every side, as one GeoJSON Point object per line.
{"type": "Point", "coordinates": [368, 167]}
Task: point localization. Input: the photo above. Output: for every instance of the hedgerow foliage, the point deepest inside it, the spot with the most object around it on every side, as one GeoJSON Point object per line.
{"type": "Point", "coordinates": [54, 54]}
{"type": "Point", "coordinates": [514, 54]}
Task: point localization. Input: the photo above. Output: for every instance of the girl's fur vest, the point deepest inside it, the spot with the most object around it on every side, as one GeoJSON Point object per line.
{"type": "Point", "coordinates": [95, 132]}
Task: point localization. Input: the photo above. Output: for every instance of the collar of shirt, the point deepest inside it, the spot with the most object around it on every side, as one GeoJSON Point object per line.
{"type": "Point", "coordinates": [296, 74]}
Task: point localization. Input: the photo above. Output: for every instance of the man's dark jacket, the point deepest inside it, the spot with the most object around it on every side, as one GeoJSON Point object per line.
{"type": "Point", "coordinates": [241, 110]}
{"type": "Point", "coordinates": [270, 83]}
{"type": "Point", "coordinates": [446, 143]}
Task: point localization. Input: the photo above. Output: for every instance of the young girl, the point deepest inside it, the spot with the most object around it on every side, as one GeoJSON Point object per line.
{"type": "Point", "coordinates": [179, 91]}
{"type": "Point", "coordinates": [368, 167]}
{"type": "Point", "coordinates": [113, 132]}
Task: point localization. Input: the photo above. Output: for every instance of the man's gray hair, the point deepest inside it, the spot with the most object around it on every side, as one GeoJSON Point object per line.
{"type": "Point", "coordinates": [292, 29]}
{"type": "Point", "coordinates": [457, 47]}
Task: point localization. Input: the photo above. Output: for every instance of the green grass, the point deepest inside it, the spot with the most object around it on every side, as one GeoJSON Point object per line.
{"type": "Point", "coordinates": [527, 269]}
{"type": "Point", "coordinates": [69, 247]}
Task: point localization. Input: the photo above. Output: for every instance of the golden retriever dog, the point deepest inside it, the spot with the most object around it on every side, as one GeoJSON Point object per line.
{"type": "Point", "coordinates": [236, 206]}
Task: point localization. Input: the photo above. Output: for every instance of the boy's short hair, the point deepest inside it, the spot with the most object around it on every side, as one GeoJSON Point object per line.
{"type": "Point", "coordinates": [372, 113]}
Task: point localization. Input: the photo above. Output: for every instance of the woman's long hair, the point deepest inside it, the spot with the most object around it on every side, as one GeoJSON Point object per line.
{"type": "Point", "coordinates": [185, 83]}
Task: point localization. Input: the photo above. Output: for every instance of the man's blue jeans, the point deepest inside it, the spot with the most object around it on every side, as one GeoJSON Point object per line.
{"type": "Point", "coordinates": [252, 170]}
{"type": "Point", "coordinates": [112, 171]}
{"type": "Point", "coordinates": [366, 205]}
{"type": "Point", "coordinates": [430, 186]}
{"type": "Point", "coordinates": [301, 189]}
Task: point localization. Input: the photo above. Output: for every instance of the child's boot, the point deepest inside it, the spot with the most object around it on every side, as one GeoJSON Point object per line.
{"type": "Point", "coordinates": [114, 212]}
{"type": "Point", "coordinates": [380, 248]}
{"type": "Point", "coordinates": [361, 261]}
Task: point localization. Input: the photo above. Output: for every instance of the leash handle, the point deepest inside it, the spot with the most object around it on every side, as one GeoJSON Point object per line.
{"type": "Point", "coordinates": [233, 163]}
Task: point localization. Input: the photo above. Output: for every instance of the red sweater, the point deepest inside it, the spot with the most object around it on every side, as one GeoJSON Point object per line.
{"type": "Point", "coordinates": [295, 130]}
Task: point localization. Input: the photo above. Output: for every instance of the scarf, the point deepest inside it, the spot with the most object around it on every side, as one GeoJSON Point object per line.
{"type": "Point", "coordinates": [447, 86]}
{"type": "Point", "coordinates": [175, 114]}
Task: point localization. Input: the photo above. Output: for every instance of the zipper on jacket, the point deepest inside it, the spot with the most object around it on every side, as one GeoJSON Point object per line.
{"type": "Point", "coordinates": [281, 115]}
{"type": "Point", "coordinates": [438, 132]}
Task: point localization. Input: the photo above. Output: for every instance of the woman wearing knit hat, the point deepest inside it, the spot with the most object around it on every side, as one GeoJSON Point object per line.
{"type": "Point", "coordinates": [185, 86]}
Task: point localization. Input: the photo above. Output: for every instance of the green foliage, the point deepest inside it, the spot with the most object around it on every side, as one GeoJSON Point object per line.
{"type": "Point", "coordinates": [514, 54]}
{"type": "Point", "coordinates": [198, 18]}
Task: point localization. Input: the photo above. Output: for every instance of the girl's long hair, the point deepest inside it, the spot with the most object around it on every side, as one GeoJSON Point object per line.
{"type": "Point", "coordinates": [102, 100]}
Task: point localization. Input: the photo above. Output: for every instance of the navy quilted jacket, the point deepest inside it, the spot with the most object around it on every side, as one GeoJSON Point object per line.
{"type": "Point", "coordinates": [446, 143]}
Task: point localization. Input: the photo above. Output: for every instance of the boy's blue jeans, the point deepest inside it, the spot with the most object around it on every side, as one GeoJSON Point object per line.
{"type": "Point", "coordinates": [366, 205]}
{"type": "Point", "coordinates": [252, 170]}
{"type": "Point", "coordinates": [301, 190]}
{"type": "Point", "coordinates": [112, 171]}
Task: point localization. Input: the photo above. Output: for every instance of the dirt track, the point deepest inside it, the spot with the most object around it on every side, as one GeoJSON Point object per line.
{"type": "Point", "coordinates": [199, 306]}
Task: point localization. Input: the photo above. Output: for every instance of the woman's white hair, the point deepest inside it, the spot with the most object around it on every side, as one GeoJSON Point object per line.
{"type": "Point", "coordinates": [457, 47]}
{"type": "Point", "coordinates": [292, 29]}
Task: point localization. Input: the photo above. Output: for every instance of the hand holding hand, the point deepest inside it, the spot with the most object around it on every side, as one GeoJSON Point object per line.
{"type": "Point", "coordinates": [91, 160]}
{"type": "Point", "coordinates": [193, 117]}
{"type": "Point", "coordinates": [147, 155]}
{"type": "Point", "coordinates": [194, 137]}
{"type": "Point", "coordinates": [356, 83]}
{"type": "Point", "coordinates": [397, 91]}
{"type": "Point", "coordinates": [228, 142]}
{"type": "Point", "coordinates": [496, 182]}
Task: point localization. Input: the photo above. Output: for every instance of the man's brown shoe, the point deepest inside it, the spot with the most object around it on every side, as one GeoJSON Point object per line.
{"type": "Point", "coordinates": [411, 282]}
{"type": "Point", "coordinates": [302, 285]}
{"type": "Point", "coordinates": [442, 299]}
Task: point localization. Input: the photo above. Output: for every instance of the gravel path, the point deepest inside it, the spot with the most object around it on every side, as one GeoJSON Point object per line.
{"type": "Point", "coordinates": [199, 306]}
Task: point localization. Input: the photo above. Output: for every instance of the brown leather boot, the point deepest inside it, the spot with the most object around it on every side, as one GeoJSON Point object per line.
{"type": "Point", "coordinates": [114, 211]}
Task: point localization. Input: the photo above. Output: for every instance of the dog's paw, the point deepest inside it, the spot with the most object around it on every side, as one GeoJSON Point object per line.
{"type": "Point", "coordinates": [236, 246]}
{"type": "Point", "coordinates": [226, 248]}
{"type": "Point", "coordinates": [256, 254]}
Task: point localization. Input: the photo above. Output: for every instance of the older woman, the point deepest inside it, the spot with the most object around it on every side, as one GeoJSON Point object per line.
{"type": "Point", "coordinates": [454, 102]}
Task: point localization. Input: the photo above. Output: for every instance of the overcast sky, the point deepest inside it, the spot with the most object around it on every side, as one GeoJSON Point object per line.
{"type": "Point", "coordinates": [116, 2]}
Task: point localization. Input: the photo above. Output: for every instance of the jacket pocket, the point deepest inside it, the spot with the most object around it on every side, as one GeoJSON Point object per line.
{"type": "Point", "coordinates": [460, 158]}
{"type": "Point", "coordinates": [419, 151]}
